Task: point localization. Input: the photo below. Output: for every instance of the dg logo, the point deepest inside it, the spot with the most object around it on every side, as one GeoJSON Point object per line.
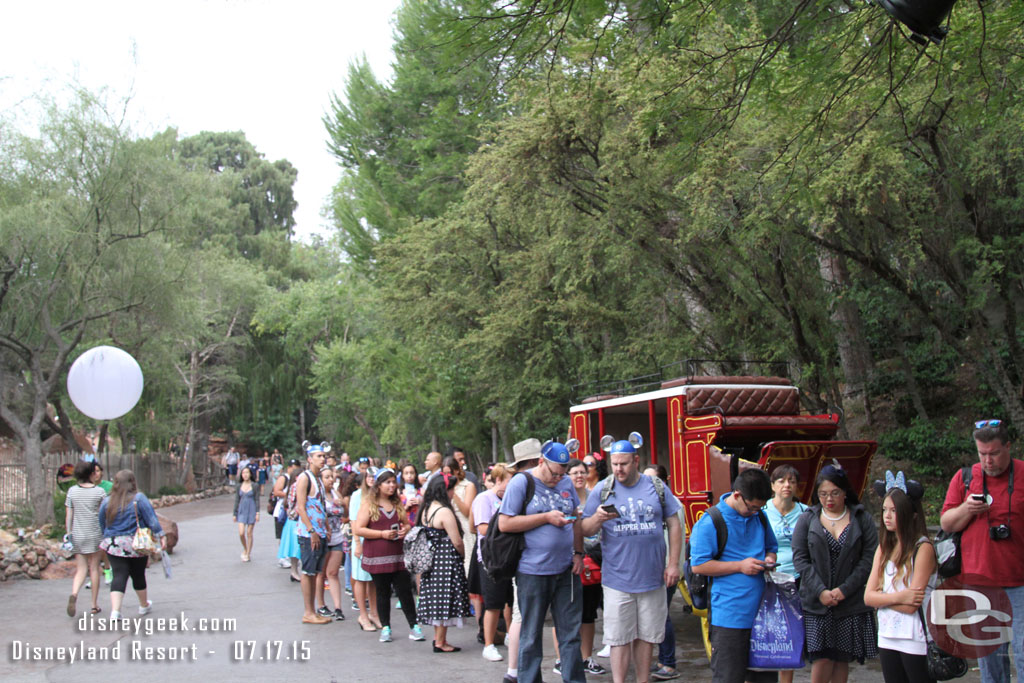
{"type": "Point", "coordinates": [970, 621]}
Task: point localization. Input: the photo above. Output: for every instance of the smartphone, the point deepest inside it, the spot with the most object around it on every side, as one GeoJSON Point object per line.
{"type": "Point", "coordinates": [610, 509]}
{"type": "Point", "coordinates": [980, 497]}
{"type": "Point", "coordinates": [571, 517]}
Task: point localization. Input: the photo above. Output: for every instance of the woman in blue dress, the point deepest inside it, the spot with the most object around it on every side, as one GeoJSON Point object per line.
{"type": "Point", "coordinates": [247, 510]}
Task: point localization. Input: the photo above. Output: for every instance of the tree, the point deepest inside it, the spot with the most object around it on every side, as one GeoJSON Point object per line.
{"type": "Point", "coordinates": [86, 216]}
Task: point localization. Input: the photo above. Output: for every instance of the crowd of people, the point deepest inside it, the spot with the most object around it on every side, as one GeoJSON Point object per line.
{"type": "Point", "coordinates": [601, 538]}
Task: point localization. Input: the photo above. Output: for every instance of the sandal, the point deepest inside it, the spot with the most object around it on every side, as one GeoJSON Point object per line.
{"type": "Point", "coordinates": [375, 620]}
{"type": "Point", "coordinates": [365, 626]}
{"type": "Point", "coordinates": [95, 610]}
{"type": "Point", "coordinates": [72, 600]}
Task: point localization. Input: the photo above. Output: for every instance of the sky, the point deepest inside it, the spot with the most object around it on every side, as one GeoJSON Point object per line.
{"type": "Point", "coordinates": [265, 67]}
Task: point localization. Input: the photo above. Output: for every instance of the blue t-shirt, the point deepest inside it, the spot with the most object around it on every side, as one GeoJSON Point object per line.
{"type": "Point", "coordinates": [783, 526]}
{"type": "Point", "coordinates": [734, 597]}
{"type": "Point", "coordinates": [548, 549]}
{"type": "Point", "coordinates": [632, 544]}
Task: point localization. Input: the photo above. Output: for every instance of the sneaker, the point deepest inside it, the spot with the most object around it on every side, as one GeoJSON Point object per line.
{"type": "Point", "coordinates": [324, 612]}
{"type": "Point", "coordinates": [355, 605]}
{"type": "Point", "coordinates": [506, 640]}
{"type": "Point", "coordinates": [338, 615]}
{"type": "Point", "coordinates": [348, 590]}
{"type": "Point", "coordinates": [605, 652]}
{"type": "Point", "coordinates": [664, 674]}
{"type": "Point", "coordinates": [147, 609]}
{"type": "Point", "coordinates": [416, 633]}
{"type": "Point", "coordinates": [557, 668]}
{"type": "Point", "coordinates": [115, 615]}
{"type": "Point", "coordinates": [284, 564]}
{"type": "Point", "coordinates": [491, 654]}
{"type": "Point", "coordinates": [592, 667]}
{"type": "Point", "coordinates": [385, 634]}
{"type": "Point", "coordinates": [88, 584]}
{"type": "Point", "coordinates": [398, 604]}
{"type": "Point", "coordinates": [108, 576]}
{"type": "Point", "coordinates": [509, 679]}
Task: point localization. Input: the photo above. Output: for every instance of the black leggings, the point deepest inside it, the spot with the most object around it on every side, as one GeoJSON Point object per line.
{"type": "Point", "coordinates": [899, 667]}
{"type": "Point", "coordinates": [123, 567]}
{"type": "Point", "coordinates": [402, 582]}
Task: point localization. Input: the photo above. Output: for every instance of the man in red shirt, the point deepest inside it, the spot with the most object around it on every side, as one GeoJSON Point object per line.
{"type": "Point", "coordinates": [990, 515]}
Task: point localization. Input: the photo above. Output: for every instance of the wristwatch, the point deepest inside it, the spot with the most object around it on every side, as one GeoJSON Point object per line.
{"type": "Point", "coordinates": [578, 552]}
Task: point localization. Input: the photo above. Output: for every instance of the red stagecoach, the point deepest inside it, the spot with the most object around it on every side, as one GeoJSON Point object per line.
{"type": "Point", "coordinates": [705, 428]}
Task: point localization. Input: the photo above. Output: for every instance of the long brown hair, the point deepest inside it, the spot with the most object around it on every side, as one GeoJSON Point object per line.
{"type": "Point", "coordinates": [372, 503]}
{"type": "Point", "coordinates": [121, 494]}
{"type": "Point", "coordinates": [910, 526]}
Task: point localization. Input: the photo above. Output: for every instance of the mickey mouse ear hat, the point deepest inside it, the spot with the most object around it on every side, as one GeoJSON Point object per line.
{"type": "Point", "coordinates": [630, 446]}
{"type": "Point", "coordinates": [560, 454]}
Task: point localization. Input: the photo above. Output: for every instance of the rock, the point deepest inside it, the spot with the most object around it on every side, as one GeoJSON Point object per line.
{"type": "Point", "coordinates": [12, 570]}
{"type": "Point", "coordinates": [31, 557]}
{"type": "Point", "coordinates": [6, 537]}
{"type": "Point", "coordinates": [33, 573]}
{"type": "Point", "coordinates": [170, 528]}
{"type": "Point", "coordinates": [13, 554]}
{"type": "Point", "coordinates": [43, 562]}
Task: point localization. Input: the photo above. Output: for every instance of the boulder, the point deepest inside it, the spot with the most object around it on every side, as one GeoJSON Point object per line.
{"type": "Point", "coordinates": [170, 528]}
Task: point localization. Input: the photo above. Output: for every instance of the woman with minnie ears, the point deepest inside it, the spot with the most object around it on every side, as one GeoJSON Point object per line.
{"type": "Point", "coordinates": [902, 576]}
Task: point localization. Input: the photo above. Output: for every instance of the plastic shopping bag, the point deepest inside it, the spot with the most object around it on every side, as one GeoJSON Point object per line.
{"type": "Point", "coordinates": [777, 639]}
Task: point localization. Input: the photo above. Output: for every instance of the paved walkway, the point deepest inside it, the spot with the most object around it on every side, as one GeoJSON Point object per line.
{"type": "Point", "coordinates": [266, 641]}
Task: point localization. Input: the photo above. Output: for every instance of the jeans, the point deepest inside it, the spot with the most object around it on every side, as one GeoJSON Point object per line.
{"type": "Point", "coordinates": [995, 668]}
{"type": "Point", "coordinates": [563, 593]}
{"type": "Point", "coordinates": [347, 562]}
{"type": "Point", "coordinates": [667, 647]}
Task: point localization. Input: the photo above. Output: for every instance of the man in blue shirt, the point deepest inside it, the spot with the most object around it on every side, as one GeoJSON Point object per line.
{"type": "Point", "coordinates": [548, 574]}
{"type": "Point", "coordinates": [738, 581]}
{"type": "Point", "coordinates": [633, 568]}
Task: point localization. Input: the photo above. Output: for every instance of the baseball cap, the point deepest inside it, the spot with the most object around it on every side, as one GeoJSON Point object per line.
{"type": "Point", "coordinates": [294, 461]}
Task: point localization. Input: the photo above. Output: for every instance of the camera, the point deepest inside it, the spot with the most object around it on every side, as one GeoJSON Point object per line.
{"type": "Point", "coordinates": [999, 533]}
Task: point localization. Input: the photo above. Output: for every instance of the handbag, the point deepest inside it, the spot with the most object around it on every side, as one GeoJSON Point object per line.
{"type": "Point", "coordinates": [143, 541]}
{"type": "Point", "coordinates": [591, 574]}
{"type": "Point", "coordinates": [777, 638]}
{"type": "Point", "coordinates": [942, 666]}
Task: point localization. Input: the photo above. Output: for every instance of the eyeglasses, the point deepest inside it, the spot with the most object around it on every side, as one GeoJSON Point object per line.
{"type": "Point", "coordinates": [752, 509]}
{"type": "Point", "coordinates": [837, 493]}
{"type": "Point", "coordinates": [590, 464]}
{"type": "Point", "coordinates": [980, 424]}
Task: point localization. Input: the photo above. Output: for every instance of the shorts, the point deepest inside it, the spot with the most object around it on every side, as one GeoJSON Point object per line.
{"type": "Point", "coordinates": [232, 470]}
{"type": "Point", "coordinates": [634, 616]}
{"type": "Point", "coordinates": [336, 548]}
{"type": "Point", "coordinates": [311, 561]}
{"type": "Point", "coordinates": [730, 652]}
{"type": "Point", "coordinates": [592, 599]}
{"type": "Point", "coordinates": [496, 594]}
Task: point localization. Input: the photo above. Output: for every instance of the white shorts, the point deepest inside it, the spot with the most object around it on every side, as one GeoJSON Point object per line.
{"type": "Point", "coordinates": [634, 616]}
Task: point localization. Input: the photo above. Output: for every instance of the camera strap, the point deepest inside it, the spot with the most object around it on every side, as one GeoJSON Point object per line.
{"type": "Point", "coordinates": [984, 488]}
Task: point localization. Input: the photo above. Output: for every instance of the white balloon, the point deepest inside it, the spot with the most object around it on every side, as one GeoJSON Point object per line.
{"type": "Point", "coordinates": [105, 383]}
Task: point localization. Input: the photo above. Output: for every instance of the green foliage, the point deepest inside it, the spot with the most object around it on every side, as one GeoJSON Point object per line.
{"type": "Point", "coordinates": [171, 491]}
{"type": "Point", "coordinates": [934, 450]}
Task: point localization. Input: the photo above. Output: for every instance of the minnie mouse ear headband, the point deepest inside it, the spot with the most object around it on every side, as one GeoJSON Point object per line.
{"type": "Point", "coordinates": [558, 453]}
{"type": "Point", "coordinates": [611, 446]}
{"type": "Point", "coordinates": [898, 481]}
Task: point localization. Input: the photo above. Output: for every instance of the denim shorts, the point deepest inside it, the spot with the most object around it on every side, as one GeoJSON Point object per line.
{"type": "Point", "coordinates": [311, 561]}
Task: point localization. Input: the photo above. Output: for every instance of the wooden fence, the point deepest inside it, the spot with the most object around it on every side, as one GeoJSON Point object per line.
{"type": "Point", "coordinates": [152, 471]}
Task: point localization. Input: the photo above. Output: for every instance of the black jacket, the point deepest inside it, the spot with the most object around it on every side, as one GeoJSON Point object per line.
{"type": "Point", "coordinates": [811, 559]}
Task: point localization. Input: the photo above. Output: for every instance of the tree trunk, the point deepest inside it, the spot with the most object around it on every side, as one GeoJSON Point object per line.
{"type": "Point", "coordinates": [494, 441]}
{"type": "Point", "coordinates": [854, 353]}
{"type": "Point", "coordinates": [67, 432]}
{"type": "Point", "coordinates": [101, 445]}
{"type": "Point", "coordinates": [302, 421]}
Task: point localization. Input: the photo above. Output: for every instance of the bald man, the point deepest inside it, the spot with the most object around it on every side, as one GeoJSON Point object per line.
{"type": "Point", "coordinates": [432, 465]}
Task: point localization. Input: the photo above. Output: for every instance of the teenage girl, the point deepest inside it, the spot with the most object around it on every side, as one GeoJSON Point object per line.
{"type": "Point", "coordinates": [901, 578]}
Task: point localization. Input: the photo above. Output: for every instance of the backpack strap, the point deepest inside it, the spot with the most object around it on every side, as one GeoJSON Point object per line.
{"type": "Point", "coordinates": [531, 489]}
{"type": "Point", "coordinates": [721, 530]}
{"type": "Point", "coordinates": [966, 474]}
{"type": "Point", "coordinates": [606, 488]}
{"type": "Point", "coordinates": [659, 486]}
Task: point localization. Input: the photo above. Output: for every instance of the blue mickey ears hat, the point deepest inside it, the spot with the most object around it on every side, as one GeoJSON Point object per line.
{"type": "Point", "coordinates": [898, 481]}
{"type": "Point", "coordinates": [609, 444]}
{"type": "Point", "coordinates": [560, 454]}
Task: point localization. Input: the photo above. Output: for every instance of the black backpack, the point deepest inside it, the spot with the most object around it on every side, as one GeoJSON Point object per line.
{"type": "Point", "coordinates": [501, 550]}
{"type": "Point", "coordinates": [946, 542]}
{"type": "Point", "coordinates": [698, 585]}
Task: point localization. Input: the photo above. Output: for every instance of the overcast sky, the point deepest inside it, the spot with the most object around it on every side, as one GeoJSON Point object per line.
{"type": "Point", "coordinates": [266, 67]}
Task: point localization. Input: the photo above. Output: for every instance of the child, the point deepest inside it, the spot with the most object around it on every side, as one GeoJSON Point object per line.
{"type": "Point", "coordinates": [902, 576]}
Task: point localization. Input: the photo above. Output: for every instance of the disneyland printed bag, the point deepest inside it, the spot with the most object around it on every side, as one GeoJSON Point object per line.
{"type": "Point", "coordinates": [419, 555]}
{"type": "Point", "coordinates": [777, 639]}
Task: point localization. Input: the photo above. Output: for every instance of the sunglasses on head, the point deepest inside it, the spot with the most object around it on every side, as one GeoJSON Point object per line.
{"type": "Point", "coordinates": [980, 424]}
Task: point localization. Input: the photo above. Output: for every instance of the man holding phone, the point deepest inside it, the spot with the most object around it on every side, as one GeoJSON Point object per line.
{"type": "Point", "coordinates": [989, 513]}
{"type": "Point", "coordinates": [634, 572]}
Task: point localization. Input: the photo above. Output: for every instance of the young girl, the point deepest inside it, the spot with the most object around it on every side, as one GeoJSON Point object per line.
{"type": "Point", "coordinates": [901, 578]}
{"type": "Point", "coordinates": [335, 510]}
